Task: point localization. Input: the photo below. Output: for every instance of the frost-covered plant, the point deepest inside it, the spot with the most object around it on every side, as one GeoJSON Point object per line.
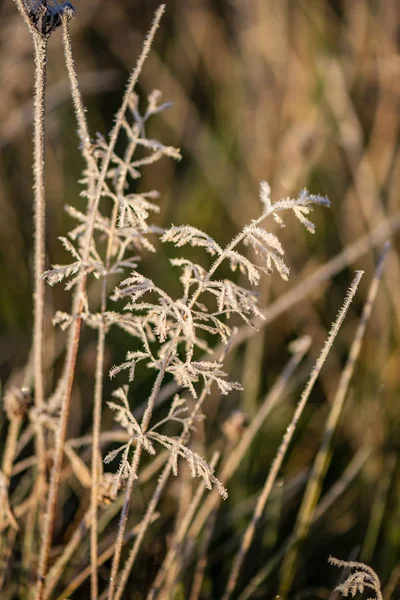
{"type": "Point", "coordinates": [361, 578]}
{"type": "Point", "coordinates": [169, 334]}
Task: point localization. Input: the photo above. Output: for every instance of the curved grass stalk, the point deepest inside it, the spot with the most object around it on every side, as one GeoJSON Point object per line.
{"type": "Point", "coordinates": [282, 450]}
{"type": "Point", "coordinates": [323, 457]}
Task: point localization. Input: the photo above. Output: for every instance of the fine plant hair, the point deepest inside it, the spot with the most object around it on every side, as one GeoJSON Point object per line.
{"type": "Point", "coordinates": [182, 341]}
{"type": "Point", "coordinates": [361, 578]}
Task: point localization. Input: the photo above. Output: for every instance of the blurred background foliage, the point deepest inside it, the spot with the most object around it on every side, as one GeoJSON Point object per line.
{"type": "Point", "coordinates": [301, 93]}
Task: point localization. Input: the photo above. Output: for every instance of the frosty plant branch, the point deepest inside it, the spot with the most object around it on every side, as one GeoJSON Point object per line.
{"type": "Point", "coordinates": [186, 318]}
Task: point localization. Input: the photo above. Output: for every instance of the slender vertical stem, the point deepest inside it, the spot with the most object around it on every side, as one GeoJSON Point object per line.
{"type": "Point", "coordinates": [39, 189]}
{"type": "Point", "coordinates": [83, 133]}
{"type": "Point", "coordinates": [40, 54]}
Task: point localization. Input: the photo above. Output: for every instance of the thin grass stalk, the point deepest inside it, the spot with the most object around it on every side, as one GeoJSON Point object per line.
{"type": "Point", "coordinates": [9, 452]}
{"type": "Point", "coordinates": [282, 450]}
{"type": "Point", "coordinates": [40, 56]}
{"type": "Point", "coordinates": [323, 457]}
{"type": "Point", "coordinates": [40, 46]}
{"type": "Point", "coordinates": [96, 467]}
{"type": "Point", "coordinates": [134, 468]}
{"type": "Point", "coordinates": [6, 470]}
{"type": "Point", "coordinates": [58, 568]}
{"type": "Point", "coordinates": [79, 107]}
{"type": "Point", "coordinates": [133, 474]}
{"type": "Point", "coordinates": [51, 507]}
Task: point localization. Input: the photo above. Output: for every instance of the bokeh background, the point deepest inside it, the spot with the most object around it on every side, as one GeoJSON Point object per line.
{"type": "Point", "coordinates": [301, 93]}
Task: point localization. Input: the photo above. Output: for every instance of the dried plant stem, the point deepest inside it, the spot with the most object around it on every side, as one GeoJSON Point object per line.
{"type": "Point", "coordinates": [40, 53]}
{"type": "Point", "coordinates": [83, 132]}
{"type": "Point", "coordinates": [9, 451]}
{"type": "Point", "coordinates": [40, 45]}
{"type": "Point", "coordinates": [80, 112]}
{"type": "Point", "coordinates": [281, 453]}
{"type": "Point", "coordinates": [301, 290]}
{"type": "Point", "coordinates": [202, 559]}
{"type": "Point", "coordinates": [69, 549]}
{"type": "Point", "coordinates": [6, 470]}
{"type": "Point", "coordinates": [362, 577]}
{"type": "Point", "coordinates": [157, 385]}
{"type": "Point", "coordinates": [322, 459]}
{"type": "Point", "coordinates": [304, 288]}
{"type": "Point", "coordinates": [73, 342]}
{"type": "Point", "coordinates": [51, 507]}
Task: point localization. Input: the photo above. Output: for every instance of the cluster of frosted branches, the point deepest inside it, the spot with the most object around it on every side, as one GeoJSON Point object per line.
{"type": "Point", "coordinates": [361, 578]}
{"type": "Point", "coordinates": [171, 332]}
{"type": "Point", "coordinates": [126, 231]}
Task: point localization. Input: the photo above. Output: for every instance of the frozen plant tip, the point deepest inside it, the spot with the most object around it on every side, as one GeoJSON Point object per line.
{"type": "Point", "coordinates": [361, 578]}
{"type": "Point", "coordinates": [46, 15]}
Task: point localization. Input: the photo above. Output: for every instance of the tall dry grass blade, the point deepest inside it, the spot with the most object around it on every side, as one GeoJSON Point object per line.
{"type": "Point", "coordinates": [281, 453]}
{"type": "Point", "coordinates": [322, 459]}
{"type": "Point", "coordinates": [91, 165]}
